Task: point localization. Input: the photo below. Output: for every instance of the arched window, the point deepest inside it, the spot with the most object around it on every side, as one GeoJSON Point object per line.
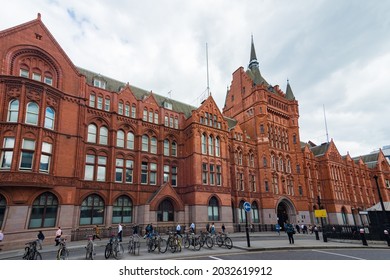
{"type": "Point", "coordinates": [92, 132]}
{"type": "Point", "coordinates": [13, 111]}
{"type": "Point", "coordinates": [32, 113]}
{"type": "Point", "coordinates": [166, 147]}
{"type": "Point", "coordinates": [213, 209]}
{"type": "Point", "coordinates": [49, 118]}
{"type": "Point", "coordinates": [217, 147]}
{"type": "Point", "coordinates": [3, 206]}
{"type": "Point", "coordinates": [120, 108]}
{"type": "Point", "coordinates": [211, 145]}
{"type": "Point", "coordinates": [120, 139]}
{"type": "Point", "coordinates": [165, 211]}
{"type": "Point", "coordinates": [130, 141]}
{"type": "Point", "coordinates": [44, 211]}
{"type": "Point", "coordinates": [242, 216]}
{"type": "Point", "coordinates": [153, 145]}
{"type": "Point", "coordinates": [255, 212]}
{"type": "Point", "coordinates": [174, 149]}
{"type": "Point", "coordinates": [145, 143]}
{"type": "Point", "coordinates": [122, 210]}
{"type": "Point", "coordinates": [92, 210]}
{"type": "Point", "coordinates": [204, 143]}
{"type": "Point", "coordinates": [103, 135]}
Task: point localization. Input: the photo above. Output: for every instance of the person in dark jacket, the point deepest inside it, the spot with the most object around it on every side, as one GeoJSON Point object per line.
{"type": "Point", "coordinates": [290, 232]}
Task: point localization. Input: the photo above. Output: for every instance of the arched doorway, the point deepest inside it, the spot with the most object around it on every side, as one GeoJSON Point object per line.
{"type": "Point", "coordinates": [285, 212]}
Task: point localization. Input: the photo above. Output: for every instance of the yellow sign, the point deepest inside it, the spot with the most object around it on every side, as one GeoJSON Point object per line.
{"type": "Point", "coordinates": [320, 213]}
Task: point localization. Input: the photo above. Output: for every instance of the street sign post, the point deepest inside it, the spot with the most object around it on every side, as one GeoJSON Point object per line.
{"type": "Point", "coordinates": [247, 208]}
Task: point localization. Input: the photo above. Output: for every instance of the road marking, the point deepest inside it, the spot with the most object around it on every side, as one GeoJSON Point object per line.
{"type": "Point", "coordinates": [214, 258]}
{"type": "Point", "coordinates": [330, 253]}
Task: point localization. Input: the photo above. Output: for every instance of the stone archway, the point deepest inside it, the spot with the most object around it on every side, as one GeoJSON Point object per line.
{"type": "Point", "coordinates": [285, 212]}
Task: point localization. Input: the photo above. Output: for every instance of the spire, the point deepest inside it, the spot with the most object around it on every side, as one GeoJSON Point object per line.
{"type": "Point", "coordinates": [289, 92]}
{"type": "Point", "coordinates": [253, 59]}
{"type": "Point", "coordinates": [253, 67]}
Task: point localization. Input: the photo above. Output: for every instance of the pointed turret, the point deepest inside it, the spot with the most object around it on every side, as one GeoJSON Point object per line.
{"type": "Point", "coordinates": [253, 67]}
{"type": "Point", "coordinates": [289, 92]}
{"type": "Point", "coordinates": [253, 59]}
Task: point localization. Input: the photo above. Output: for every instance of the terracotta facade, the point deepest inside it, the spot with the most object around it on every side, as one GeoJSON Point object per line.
{"type": "Point", "coordinates": [79, 149]}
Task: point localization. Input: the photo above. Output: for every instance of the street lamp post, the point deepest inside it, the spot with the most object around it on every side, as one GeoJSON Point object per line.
{"type": "Point", "coordinates": [381, 201]}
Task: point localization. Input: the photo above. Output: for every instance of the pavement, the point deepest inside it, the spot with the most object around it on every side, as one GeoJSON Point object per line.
{"type": "Point", "coordinates": [259, 241]}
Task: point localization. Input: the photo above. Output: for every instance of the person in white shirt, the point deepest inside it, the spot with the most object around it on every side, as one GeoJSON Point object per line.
{"type": "Point", "coordinates": [120, 232]}
{"type": "Point", "coordinates": [58, 235]}
{"type": "Point", "coordinates": [178, 230]}
{"type": "Point", "coordinates": [192, 227]}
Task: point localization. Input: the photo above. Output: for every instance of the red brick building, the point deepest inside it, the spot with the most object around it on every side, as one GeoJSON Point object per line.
{"type": "Point", "coordinates": [80, 149]}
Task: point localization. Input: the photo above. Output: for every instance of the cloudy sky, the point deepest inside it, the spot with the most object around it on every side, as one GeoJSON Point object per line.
{"type": "Point", "coordinates": [336, 54]}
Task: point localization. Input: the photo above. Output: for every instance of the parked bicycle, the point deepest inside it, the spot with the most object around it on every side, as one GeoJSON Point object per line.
{"type": "Point", "coordinates": [206, 238]}
{"type": "Point", "coordinates": [31, 252]}
{"type": "Point", "coordinates": [155, 241]}
{"type": "Point", "coordinates": [174, 242]}
{"type": "Point", "coordinates": [134, 244]}
{"type": "Point", "coordinates": [114, 248]}
{"type": "Point", "coordinates": [63, 252]}
{"type": "Point", "coordinates": [90, 249]}
{"type": "Point", "coordinates": [223, 240]}
{"type": "Point", "coordinates": [190, 239]}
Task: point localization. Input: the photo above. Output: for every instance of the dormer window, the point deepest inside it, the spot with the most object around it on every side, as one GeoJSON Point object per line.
{"type": "Point", "coordinates": [99, 83]}
{"type": "Point", "coordinates": [167, 105]}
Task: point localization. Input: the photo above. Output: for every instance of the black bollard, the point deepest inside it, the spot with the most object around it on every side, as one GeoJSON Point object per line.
{"type": "Point", "coordinates": [363, 237]}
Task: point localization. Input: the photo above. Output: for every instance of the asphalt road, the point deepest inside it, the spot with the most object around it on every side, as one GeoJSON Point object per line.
{"type": "Point", "coordinates": [310, 254]}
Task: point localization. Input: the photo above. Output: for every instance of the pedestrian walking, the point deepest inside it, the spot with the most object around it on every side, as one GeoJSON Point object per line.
{"type": "Point", "coordinates": [97, 233]}
{"type": "Point", "coordinates": [120, 230]}
{"type": "Point", "coordinates": [212, 229]}
{"type": "Point", "coordinates": [277, 228]}
{"type": "Point", "coordinates": [290, 232]}
{"type": "Point", "coordinates": [178, 230]}
{"type": "Point", "coordinates": [40, 239]}
{"type": "Point", "coordinates": [208, 227]}
{"type": "Point", "coordinates": [58, 236]}
{"type": "Point", "coordinates": [223, 228]}
{"type": "Point", "coordinates": [192, 227]}
{"type": "Point", "coordinates": [1, 238]}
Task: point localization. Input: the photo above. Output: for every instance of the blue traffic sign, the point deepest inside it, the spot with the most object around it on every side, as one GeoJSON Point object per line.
{"type": "Point", "coordinates": [247, 206]}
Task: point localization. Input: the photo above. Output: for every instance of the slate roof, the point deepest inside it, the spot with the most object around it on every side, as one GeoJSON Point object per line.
{"type": "Point", "coordinates": [371, 160]}
{"type": "Point", "coordinates": [320, 150]}
{"type": "Point", "coordinates": [115, 86]}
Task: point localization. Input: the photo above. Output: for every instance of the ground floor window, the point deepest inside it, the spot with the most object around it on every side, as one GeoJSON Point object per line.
{"type": "Point", "coordinates": [122, 210]}
{"type": "Point", "coordinates": [92, 210]}
{"type": "Point", "coordinates": [44, 211]}
{"type": "Point", "coordinates": [213, 209]}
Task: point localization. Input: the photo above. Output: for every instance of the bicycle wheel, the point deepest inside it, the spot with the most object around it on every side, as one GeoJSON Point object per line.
{"type": "Point", "coordinates": [108, 251]}
{"type": "Point", "coordinates": [64, 254]}
{"type": "Point", "coordinates": [209, 242]}
{"type": "Point", "coordinates": [186, 243]}
{"type": "Point", "coordinates": [131, 248]}
{"type": "Point", "coordinates": [118, 251]}
{"type": "Point", "coordinates": [37, 256]}
{"type": "Point", "coordinates": [162, 245]}
{"type": "Point", "coordinates": [197, 244]}
{"type": "Point", "coordinates": [26, 253]}
{"type": "Point", "coordinates": [228, 243]}
{"type": "Point", "coordinates": [172, 245]}
{"type": "Point", "coordinates": [219, 241]}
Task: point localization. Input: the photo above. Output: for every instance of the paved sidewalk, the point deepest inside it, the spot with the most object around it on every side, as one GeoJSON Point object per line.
{"type": "Point", "coordinates": [262, 241]}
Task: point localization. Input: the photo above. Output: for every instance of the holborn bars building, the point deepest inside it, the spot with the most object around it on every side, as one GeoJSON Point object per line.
{"type": "Point", "coordinates": [80, 149]}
